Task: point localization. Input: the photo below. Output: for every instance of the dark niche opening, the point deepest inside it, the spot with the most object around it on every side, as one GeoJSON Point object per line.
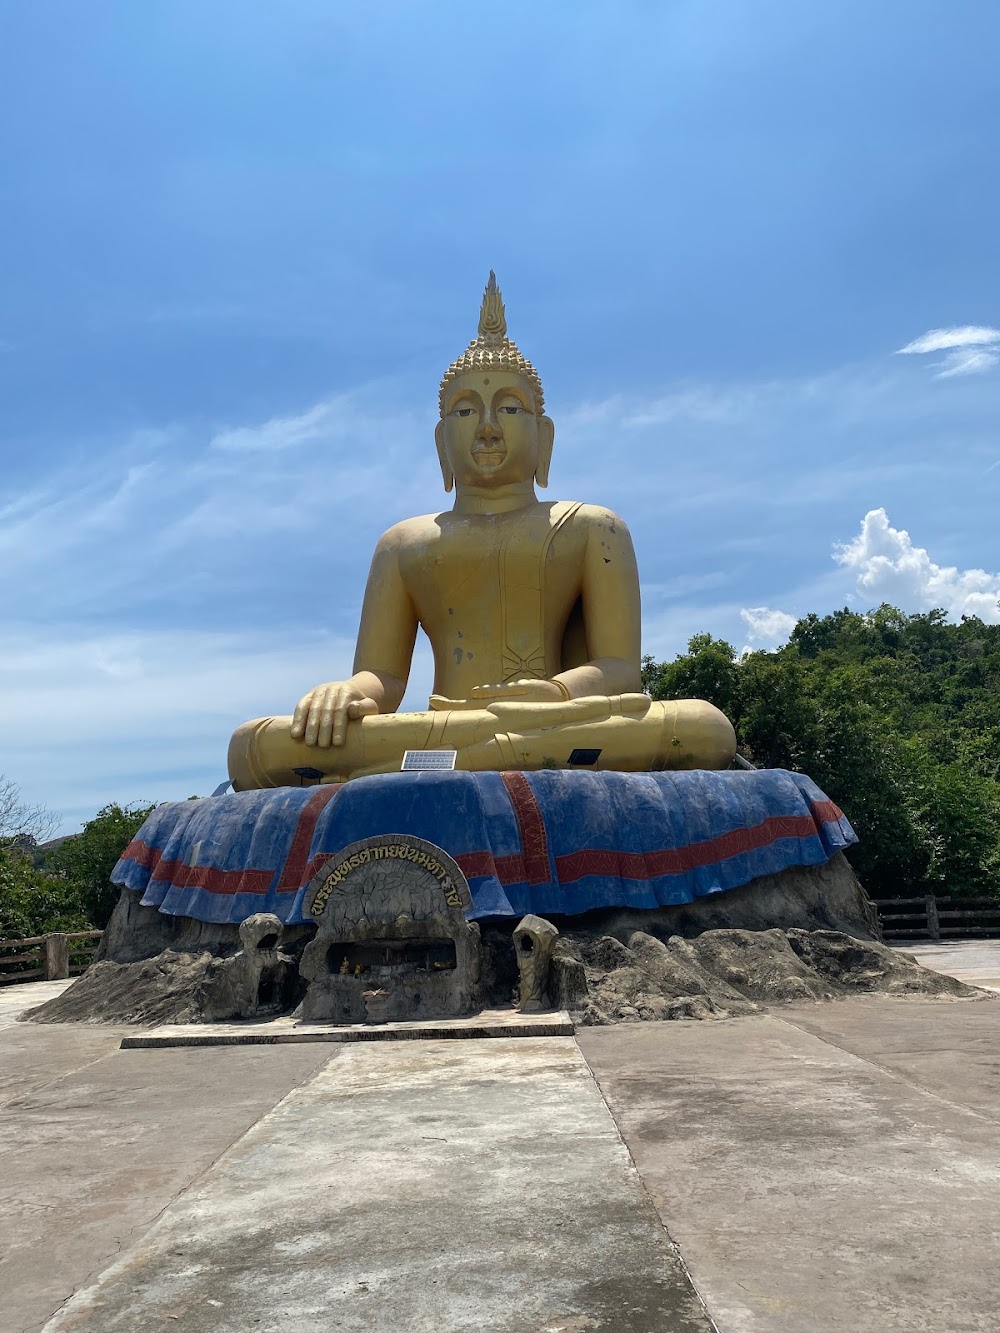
{"type": "Point", "coordinates": [386, 957]}
{"type": "Point", "coordinates": [268, 994]}
{"type": "Point", "coordinates": [268, 942]}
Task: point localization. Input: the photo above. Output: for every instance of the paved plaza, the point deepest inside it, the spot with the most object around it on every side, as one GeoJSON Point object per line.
{"type": "Point", "coordinates": [809, 1170]}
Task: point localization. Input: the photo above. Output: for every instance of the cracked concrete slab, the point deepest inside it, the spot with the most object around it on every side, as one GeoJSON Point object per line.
{"type": "Point", "coordinates": [951, 1051]}
{"type": "Point", "coordinates": [426, 1185]}
{"type": "Point", "coordinates": [96, 1142]}
{"type": "Point", "coordinates": [822, 1167]}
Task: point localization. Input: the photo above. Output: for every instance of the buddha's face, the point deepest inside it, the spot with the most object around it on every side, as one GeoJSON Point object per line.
{"type": "Point", "coordinates": [491, 434]}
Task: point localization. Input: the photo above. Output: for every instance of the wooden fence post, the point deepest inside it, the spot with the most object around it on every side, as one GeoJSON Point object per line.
{"type": "Point", "coordinates": [56, 957]}
{"type": "Point", "coordinates": [933, 924]}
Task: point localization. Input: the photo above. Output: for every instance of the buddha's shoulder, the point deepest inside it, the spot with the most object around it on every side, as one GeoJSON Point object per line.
{"type": "Point", "coordinates": [409, 531]}
{"type": "Point", "coordinates": [589, 515]}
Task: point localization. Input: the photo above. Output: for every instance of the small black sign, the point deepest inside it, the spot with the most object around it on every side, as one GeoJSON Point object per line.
{"type": "Point", "coordinates": [584, 758]}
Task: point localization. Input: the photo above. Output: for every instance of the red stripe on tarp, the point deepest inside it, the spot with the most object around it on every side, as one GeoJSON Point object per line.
{"type": "Point", "coordinates": [507, 869]}
{"type": "Point", "coordinates": [182, 876]}
{"type": "Point", "coordinates": [296, 862]}
{"type": "Point", "coordinates": [141, 853]}
{"type": "Point", "coordinates": [677, 860]}
{"type": "Point", "coordinates": [825, 812]}
{"type": "Point", "coordinates": [477, 865]}
{"type": "Point", "coordinates": [534, 843]}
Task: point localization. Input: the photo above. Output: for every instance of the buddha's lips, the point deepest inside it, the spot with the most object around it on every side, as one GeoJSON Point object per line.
{"type": "Point", "coordinates": [489, 455]}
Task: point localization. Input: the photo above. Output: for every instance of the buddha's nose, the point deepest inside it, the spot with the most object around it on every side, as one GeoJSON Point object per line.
{"type": "Point", "coordinates": [489, 428]}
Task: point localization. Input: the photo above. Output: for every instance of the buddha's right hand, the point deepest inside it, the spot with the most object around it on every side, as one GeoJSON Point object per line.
{"type": "Point", "coordinates": [322, 715]}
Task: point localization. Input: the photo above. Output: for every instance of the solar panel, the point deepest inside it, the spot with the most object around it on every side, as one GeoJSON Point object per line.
{"type": "Point", "coordinates": [437, 760]}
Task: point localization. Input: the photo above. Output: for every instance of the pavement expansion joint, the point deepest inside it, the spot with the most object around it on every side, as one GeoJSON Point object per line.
{"type": "Point", "coordinates": [884, 1069]}
{"type": "Point", "coordinates": [286, 1031]}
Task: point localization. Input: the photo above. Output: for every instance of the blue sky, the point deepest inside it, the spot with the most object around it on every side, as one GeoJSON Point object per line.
{"type": "Point", "coordinates": [242, 242]}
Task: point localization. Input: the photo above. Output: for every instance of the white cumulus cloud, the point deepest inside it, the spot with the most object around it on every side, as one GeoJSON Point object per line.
{"type": "Point", "coordinates": [767, 626]}
{"type": "Point", "coordinates": [971, 349]}
{"type": "Point", "coordinates": [890, 568]}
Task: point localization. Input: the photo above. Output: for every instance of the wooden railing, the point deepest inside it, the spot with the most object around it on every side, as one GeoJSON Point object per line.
{"type": "Point", "coordinates": [51, 957]}
{"type": "Point", "coordinates": [935, 918]}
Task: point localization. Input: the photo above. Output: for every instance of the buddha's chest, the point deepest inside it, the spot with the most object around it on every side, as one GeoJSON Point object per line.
{"type": "Point", "coordinates": [481, 564]}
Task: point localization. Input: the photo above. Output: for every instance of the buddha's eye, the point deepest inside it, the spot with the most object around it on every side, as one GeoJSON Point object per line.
{"type": "Point", "coordinates": [511, 411]}
{"type": "Point", "coordinates": [462, 412]}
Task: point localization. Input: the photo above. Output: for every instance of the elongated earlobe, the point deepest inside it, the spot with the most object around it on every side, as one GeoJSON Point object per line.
{"type": "Point", "coordinates": [546, 438]}
{"type": "Point", "coordinates": [447, 476]}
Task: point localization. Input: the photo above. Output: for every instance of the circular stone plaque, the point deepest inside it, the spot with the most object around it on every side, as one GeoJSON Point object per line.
{"type": "Point", "coordinates": [390, 873]}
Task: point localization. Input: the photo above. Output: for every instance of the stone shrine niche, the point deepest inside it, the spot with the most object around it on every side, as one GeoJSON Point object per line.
{"type": "Point", "coordinates": [390, 914]}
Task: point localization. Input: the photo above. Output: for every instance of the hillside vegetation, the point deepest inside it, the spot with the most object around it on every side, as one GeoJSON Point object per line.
{"type": "Point", "coordinates": [896, 717]}
{"type": "Point", "coordinates": [67, 887]}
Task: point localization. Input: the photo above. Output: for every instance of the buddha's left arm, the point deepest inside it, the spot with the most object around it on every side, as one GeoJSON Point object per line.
{"type": "Point", "coordinates": [610, 593]}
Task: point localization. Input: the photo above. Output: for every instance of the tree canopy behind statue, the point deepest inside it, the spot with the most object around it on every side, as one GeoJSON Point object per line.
{"type": "Point", "coordinates": [896, 717]}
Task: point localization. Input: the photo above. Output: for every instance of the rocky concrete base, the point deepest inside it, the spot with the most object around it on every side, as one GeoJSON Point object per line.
{"type": "Point", "coordinates": [260, 979]}
{"type": "Point", "coordinates": [136, 932]}
{"type": "Point", "coordinates": [169, 988]}
{"type": "Point", "coordinates": [810, 932]}
{"type": "Point", "coordinates": [729, 973]}
{"type": "Point", "coordinates": [598, 979]}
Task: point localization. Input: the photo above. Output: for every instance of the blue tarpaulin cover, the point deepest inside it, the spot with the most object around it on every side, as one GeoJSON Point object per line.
{"type": "Point", "coordinates": [548, 842]}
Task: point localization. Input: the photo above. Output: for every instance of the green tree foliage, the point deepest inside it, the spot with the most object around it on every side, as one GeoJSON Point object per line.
{"type": "Point", "coordinates": [87, 860]}
{"type": "Point", "coordinates": [34, 903]}
{"type": "Point", "coordinates": [896, 717]}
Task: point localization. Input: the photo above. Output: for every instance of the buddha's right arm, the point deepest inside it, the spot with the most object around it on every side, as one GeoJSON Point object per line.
{"type": "Point", "coordinates": [381, 663]}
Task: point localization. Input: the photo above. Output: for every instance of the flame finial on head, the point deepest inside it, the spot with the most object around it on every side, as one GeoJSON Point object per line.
{"type": "Point", "coordinates": [492, 318]}
{"type": "Point", "coordinates": [492, 349]}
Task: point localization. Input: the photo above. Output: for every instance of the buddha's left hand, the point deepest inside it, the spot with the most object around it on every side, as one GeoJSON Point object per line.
{"type": "Point", "coordinates": [521, 691]}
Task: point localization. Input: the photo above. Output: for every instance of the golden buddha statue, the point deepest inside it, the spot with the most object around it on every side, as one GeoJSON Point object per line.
{"type": "Point", "coordinates": [531, 607]}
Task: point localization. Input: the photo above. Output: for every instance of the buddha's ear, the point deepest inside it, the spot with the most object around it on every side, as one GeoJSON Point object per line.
{"type": "Point", "coordinates": [447, 475]}
{"type": "Point", "coordinates": [546, 438]}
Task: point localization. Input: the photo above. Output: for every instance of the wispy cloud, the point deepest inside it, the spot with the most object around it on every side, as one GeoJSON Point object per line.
{"type": "Point", "coordinates": [279, 432]}
{"type": "Point", "coordinates": [89, 717]}
{"type": "Point", "coordinates": [890, 568]}
{"type": "Point", "coordinates": [940, 340]}
{"type": "Point", "coordinates": [969, 361]}
{"type": "Point", "coordinates": [971, 349]}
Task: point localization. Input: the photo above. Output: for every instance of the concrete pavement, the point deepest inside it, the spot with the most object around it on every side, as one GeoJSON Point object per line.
{"type": "Point", "coordinates": [821, 1167]}
{"type": "Point", "coordinates": [976, 962]}
{"type": "Point", "coordinates": [14, 999]}
{"type": "Point", "coordinates": [96, 1142]}
{"type": "Point", "coordinates": [418, 1186]}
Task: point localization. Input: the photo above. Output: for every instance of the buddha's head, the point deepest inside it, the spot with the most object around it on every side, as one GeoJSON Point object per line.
{"type": "Point", "coordinates": [493, 430]}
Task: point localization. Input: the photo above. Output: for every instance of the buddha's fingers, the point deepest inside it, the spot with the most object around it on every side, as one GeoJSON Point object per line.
{"type": "Point", "coordinates": [334, 719]}
{"type": "Point", "coordinates": [300, 716]}
{"type": "Point", "coordinates": [328, 704]}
